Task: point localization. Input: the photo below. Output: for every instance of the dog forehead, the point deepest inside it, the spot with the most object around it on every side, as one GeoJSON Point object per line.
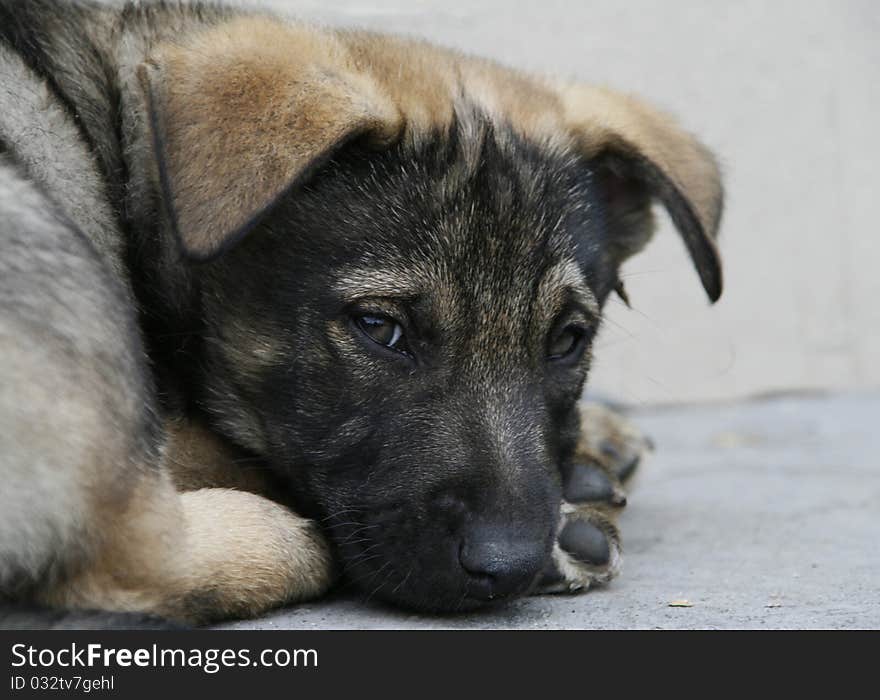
{"type": "Point", "coordinates": [480, 219]}
{"type": "Point", "coordinates": [496, 295]}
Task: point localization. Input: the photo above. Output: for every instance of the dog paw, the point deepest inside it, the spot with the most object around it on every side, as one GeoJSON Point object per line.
{"type": "Point", "coordinates": [587, 550]}
{"type": "Point", "coordinates": [609, 443]}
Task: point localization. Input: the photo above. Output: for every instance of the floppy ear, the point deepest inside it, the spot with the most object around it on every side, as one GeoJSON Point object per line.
{"type": "Point", "coordinates": [643, 154]}
{"type": "Point", "coordinates": [245, 112]}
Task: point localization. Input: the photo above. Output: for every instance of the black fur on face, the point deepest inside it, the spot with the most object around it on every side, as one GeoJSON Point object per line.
{"type": "Point", "coordinates": [484, 258]}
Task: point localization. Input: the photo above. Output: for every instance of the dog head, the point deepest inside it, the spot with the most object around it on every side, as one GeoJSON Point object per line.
{"type": "Point", "coordinates": [405, 256]}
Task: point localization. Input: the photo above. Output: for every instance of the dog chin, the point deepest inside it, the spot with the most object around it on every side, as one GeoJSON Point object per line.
{"type": "Point", "coordinates": [440, 594]}
{"type": "Point", "coordinates": [434, 601]}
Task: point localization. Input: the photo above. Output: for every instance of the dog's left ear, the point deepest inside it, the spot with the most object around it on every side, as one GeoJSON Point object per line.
{"type": "Point", "coordinates": [642, 154]}
{"type": "Point", "coordinates": [244, 112]}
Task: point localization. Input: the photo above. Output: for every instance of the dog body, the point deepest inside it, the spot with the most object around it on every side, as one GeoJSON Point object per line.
{"type": "Point", "coordinates": [276, 301]}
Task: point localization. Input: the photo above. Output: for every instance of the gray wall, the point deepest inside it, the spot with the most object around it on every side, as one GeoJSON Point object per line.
{"type": "Point", "coordinates": [788, 94]}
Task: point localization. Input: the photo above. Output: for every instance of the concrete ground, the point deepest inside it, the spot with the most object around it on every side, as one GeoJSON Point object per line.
{"type": "Point", "coordinates": [763, 514]}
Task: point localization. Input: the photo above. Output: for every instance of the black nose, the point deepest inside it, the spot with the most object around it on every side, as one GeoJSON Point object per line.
{"type": "Point", "coordinates": [499, 563]}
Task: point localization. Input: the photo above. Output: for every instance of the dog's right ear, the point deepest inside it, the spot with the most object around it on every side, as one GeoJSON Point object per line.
{"type": "Point", "coordinates": [243, 113]}
{"type": "Point", "coordinates": [641, 154]}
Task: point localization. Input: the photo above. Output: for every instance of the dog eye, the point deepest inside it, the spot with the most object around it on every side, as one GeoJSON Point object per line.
{"type": "Point", "coordinates": [383, 330]}
{"type": "Point", "coordinates": [568, 341]}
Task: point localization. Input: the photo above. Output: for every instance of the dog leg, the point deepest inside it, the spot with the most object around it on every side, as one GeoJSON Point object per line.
{"type": "Point", "coordinates": [204, 542]}
{"type": "Point", "coordinates": [200, 556]}
{"type": "Point", "coordinates": [587, 551]}
{"type": "Point", "coordinates": [207, 542]}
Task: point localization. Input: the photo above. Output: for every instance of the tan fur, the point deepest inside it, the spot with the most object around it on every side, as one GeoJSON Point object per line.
{"type": "Point", "coordinates": [199, 555]}
{"type": "Point", "coordinates": [606, 121]}
{"type": "Point", "coordinates": [198, 458]}
{"type": "Point", "coordinates": [244, 110]}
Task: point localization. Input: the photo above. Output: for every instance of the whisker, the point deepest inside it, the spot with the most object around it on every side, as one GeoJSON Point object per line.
{"type": "Point", "coordinates": [383, 582]}
{"type": "Point", "coordinates": [403, 581]}
{"type": "Point", "coordinates": [336, 526]}
{"type": "Point", "coordinates": [342, 512]}
{"type": "Point", "coordinates": [357, 531]}
{"type": "Point", "coordinates": [370, 576]}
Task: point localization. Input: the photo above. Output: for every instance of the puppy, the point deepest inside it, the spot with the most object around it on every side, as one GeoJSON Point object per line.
{"type": "Point", "coordinates": [280, 303]}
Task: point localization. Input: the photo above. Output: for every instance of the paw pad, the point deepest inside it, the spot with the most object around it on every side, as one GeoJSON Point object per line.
{"type": "Point", "coordinates": [585, 542]}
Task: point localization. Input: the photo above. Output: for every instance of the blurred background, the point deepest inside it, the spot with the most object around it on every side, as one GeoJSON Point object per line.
{"type": "Point", "coordinates": [787, 94]}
